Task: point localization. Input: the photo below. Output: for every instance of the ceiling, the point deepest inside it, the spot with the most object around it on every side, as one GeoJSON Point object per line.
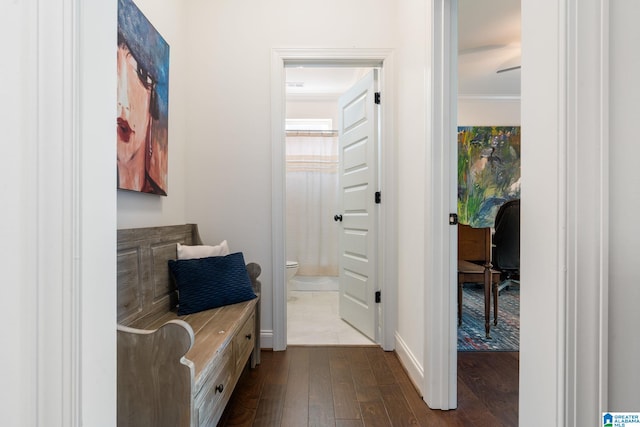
{"type": "Point", "coordinates": [488, 41]}
{"type": "Point", "coordinates": [321, 80]}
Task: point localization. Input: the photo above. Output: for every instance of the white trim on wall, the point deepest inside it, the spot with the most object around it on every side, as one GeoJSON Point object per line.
{"type": "Point", "coordinates": [95, 253]}
{"type": "Point", "coordinates": [563, 360]}
{"type": "Point", "coordinates": [543, 363]}
{"type": "Point", "coordinates": [587, 39]}
{"type": "Point", "coordinates": [74, 204]}
{"type": "Point", "coordinates": [58, 281]}
{"type": "Point", "coordinates": [440, 345]}
{"type": "Point", "coordinates": [387, 233]}
{"type": "Point", "coordinates": [278, 207]}
{"type": "Point", "coordinates": [410, 363]}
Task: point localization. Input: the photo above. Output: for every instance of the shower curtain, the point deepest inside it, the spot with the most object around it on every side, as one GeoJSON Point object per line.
{"type": "Point", "coordinates": [312, 165]}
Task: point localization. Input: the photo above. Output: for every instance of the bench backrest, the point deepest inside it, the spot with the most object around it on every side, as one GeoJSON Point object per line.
{"type": "Point", "coordinates": [145, 289]}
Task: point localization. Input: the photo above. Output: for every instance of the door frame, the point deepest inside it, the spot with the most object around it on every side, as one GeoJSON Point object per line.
{"type": "Point", "coordinates": [386, 236]}
{"type": "Point", "coordinates": [565, 93]}
{"type": "Point", "coordinates": [440, 297]}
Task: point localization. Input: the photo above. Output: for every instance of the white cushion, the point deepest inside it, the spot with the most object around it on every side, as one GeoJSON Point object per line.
{"type": "Point", "coordinates": [202, 251]}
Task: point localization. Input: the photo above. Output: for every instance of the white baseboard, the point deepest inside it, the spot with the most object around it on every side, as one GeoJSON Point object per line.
{"type": "Point", "coordinates": [266, 338]}
{"type": "Point", "coordinates": [414, 370]}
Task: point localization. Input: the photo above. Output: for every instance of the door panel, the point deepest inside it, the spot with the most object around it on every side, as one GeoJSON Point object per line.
{"type": "Point", "coordinates": [358, 173]}
{"type": "Point", "coordinates": [355, 200]}
{"type": "Point", "coordinates": [355, 243]}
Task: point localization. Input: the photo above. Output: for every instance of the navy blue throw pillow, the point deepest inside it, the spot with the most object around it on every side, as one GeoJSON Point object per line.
{"type": "Point", "coordinates": [205, 283]}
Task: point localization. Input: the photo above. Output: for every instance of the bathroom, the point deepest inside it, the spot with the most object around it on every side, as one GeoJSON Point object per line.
{"type": "Point", "coordinates": [312, 235]}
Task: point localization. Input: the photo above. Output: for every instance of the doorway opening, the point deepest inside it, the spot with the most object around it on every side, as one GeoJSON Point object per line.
{"type": "Point", "coordinates": [287, 65]}
{"type": "Point", "coordinates": [488, 183]}
{"type": "Point", "coordinates": [318, 294]}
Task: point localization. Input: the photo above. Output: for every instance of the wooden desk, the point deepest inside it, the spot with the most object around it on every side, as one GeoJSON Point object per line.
{"type": "Point", "coordinates": [470, 272]}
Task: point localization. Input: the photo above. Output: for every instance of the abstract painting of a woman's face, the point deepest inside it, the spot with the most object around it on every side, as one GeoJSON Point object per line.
{"type": "Point", "coordinates": [143, 103]}
{"type": "Point", "coordinates": [134, 118]}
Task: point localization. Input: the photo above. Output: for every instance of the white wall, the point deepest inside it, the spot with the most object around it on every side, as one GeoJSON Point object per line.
{"type": "Point", "coordinates": [17, 175]}
{"type": "Point", "coordinates": [624, 228]}
{"type": "Point", "coordinates": [94, 253]}
{"type": "Point", "coordinates": [488, 112]}
{"type": "Point", "coordinates": [567, 219]}
{"type": "Point", "coordinates": [145, 210]}
{"type": "Point", "coordinates": [309, 108]}
{"type": "Point", "coordinates": [59, 352]}
{"type": "Point", "coordinates": [411, 116]}
{"type": "Point", "coordinates": [541, 234]}
{"type": "Point", "coordinates": [229, 174]}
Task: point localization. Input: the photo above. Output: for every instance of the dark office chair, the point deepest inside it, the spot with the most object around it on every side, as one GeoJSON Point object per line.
{"type": "Point", "coordinates": [506, 244]}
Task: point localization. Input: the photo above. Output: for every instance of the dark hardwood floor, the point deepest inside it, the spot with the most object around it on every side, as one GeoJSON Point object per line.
{"type": "Point", "coordinates": [366, 386]}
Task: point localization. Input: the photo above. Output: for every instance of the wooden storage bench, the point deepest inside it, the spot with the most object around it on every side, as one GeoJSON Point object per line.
{"type": "Point", "coordinates": [175, 370]}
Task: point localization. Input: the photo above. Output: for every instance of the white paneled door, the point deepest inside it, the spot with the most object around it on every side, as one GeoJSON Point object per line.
{"type": "Point", "coordinates": [358, 126]}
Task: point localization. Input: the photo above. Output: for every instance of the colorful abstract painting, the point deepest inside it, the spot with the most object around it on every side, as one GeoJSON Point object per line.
{"type": "Point", "coordinates": [143, 103]}
{"type": "Point", "coordinates": [488, 172]}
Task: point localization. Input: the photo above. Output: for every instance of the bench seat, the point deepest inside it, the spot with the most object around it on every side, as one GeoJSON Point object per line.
{"type": "Point", "coordinates": [213, 332]}
{"type": "Point", "coordinates": [176, 370]}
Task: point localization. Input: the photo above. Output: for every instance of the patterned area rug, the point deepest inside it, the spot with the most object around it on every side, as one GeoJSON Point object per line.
{"type": "Point", "coordinates": [505, 336]}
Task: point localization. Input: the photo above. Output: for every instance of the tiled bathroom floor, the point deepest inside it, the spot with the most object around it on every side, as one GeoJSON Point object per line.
{"type": "Point", "coordinates": [312, 319]}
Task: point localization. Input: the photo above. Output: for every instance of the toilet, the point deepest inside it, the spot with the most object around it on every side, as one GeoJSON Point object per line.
{"type": "Point", "coordinates": [292, 269]}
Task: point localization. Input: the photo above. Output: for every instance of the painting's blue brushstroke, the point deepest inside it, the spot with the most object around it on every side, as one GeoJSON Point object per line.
{"type": "Point", "coordinates": [150, 50]}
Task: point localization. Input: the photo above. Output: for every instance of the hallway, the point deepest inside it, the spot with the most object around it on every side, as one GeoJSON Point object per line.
{"type": "Point", "coordinates": [365, 386]}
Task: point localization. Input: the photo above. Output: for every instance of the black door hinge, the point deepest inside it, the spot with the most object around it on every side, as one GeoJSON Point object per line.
{"type": "Point", "coordinates": [376, 98]}
{"type": "Point", "coordinates": [378, 197]}
{"type": "Point", "coordinates": [378, 296]}
{"type": "Point", "coordinates": [453, 219]}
